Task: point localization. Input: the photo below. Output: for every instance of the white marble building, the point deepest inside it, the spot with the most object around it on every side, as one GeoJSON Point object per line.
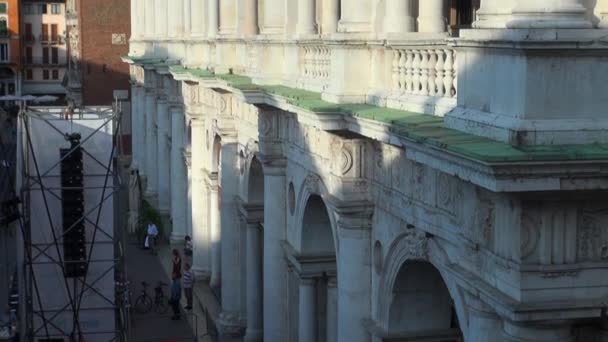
{"type": "Point", "coordinates": [351, 172]}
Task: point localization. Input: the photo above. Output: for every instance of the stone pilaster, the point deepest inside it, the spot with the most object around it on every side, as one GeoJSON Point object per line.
{"type": "Point", "coordinates": [142, 123]}
{"type": "Point", "coordinates": [175, 19]}
{"type": "Point", "coordinates": [179, 176]}
{"type": "Point", "coordinates": [228, 17]}
{"type": "Point", "coordinates": [355, 16]}
{"type": "Point", "coordinates": [549, 14]}
{"type": "Point", "coordinates": [199, 198]}
{"type": "Point", "coordinates": [354, 234]}
{"type": "Point", "coordinates": [164, 156]}
{"type": "Point", "coordinates": [250, 20]}
{"type": "Point", "coordinates": [135, 127]}
{"type": "Point", "coordinates": [399, 17]}
{"type": "Point", "coordinates": [187, 15]}
{"type": "Point", "coordinates": [160, 27]}
{"type": "Point", "coordinates": [150, 20]}
{"type": "Point", "coordinates": [431, 17]}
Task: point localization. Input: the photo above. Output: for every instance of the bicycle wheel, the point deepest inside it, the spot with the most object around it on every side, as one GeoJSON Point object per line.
{"type": "Point", "coordinates": [161, 305]}
{"type": "Point", "coordinates": [143, 304]}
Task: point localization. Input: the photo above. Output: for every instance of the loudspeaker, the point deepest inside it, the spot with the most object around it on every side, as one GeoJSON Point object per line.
{"type": "Point", "coordinates": [72, 204]}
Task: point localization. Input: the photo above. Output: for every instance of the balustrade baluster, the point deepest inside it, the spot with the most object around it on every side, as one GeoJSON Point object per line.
{"type": "Point", "coordinates": [327, 62]}
{"type": "Point", "coordinates": [409, 73]}
{"type": "Point", "coordinates": [439, 73]}
{"type": "Point", "coordinates": [402, 71]}
{"type": "Point", "coordinates": [432, 74]}
{"type": "Point", "coordinates": [396, 77]}
{"type": "Point", "coordinates": [448, 78]}
{"type": "Point", "coordinates": [455, 74]}
{"type": "Point", "coordinates": [416, 73]}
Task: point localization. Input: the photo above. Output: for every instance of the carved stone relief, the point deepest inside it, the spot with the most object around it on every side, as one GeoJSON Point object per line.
{"type": "Point", "coordinates": [592, 235]}
{"type": "Point", "coordinates": [530, 232]}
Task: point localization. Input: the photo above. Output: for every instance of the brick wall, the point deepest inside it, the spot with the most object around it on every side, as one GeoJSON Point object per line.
{"type": "Point", "coordinates": [103, 23]}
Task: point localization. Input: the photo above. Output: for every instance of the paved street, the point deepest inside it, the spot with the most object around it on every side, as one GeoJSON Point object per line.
{"type": "Point", "coordinates": [142, 266]}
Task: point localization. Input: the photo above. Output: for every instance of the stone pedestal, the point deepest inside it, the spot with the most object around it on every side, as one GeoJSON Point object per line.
{"type": "Point", "coordinates": [431, 18]}
{"type": "Point", "coordinates": [274, 17]}
{"type": "Point", "coordinates": [519, 332]}
{"type": "Point", "coordinates": [250, 22]}
{"type": "Point", "coordinates": [228, 17]}
{"type": "Point", "coordinates": [307, 327]}
{"type": "Point", "coordinates": [549, 14]}
{"type": "Point", "coordinates": [493, 14]}
{"type": "Point", "coordinates": [355, 16]}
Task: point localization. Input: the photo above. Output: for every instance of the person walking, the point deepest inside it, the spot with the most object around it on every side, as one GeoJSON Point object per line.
{"type": "Point", "coordinates": [176, 274]}
{"type": "Point", "coordinates": [187, 283]}
{"type": "Point", "coordinates": [152, 233]}
{"type": "Point", "coordinates": [176, 296]}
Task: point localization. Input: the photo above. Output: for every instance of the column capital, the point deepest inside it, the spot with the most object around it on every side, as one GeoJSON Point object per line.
{"type": "Point", "coordinates": [273, 165]}
{"type": "Point", "coordinates": [353, 215]}
{"type": "Point", "coordinates": [253, 214]}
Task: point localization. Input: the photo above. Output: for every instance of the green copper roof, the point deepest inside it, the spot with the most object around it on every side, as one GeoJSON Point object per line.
{"type": "Point", "coordinates": [144, 60]}
{"type": "Point", "coordinates": [422, 128]}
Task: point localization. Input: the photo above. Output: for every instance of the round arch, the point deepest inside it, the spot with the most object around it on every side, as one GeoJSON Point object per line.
{"type": "Point", "coordinates": [428, 256]}
{"type": "Point", "coordinates": [255, 181]}
{"type": "Point", "coordinates": [216, 154]}
{"type": "Point", "coordinates": [313, 186]}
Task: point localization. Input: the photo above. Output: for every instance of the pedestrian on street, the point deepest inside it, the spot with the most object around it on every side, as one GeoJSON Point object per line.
{"type": "Point", "coordinates": [188, 246]}
{"type": "Point", "coordinates": [187, 283]}
{"type": "Point", "coordinates": [152, 233]}
{"type": "Point", "coordinates": [176, 275]}
{"type": "Point", "coordinates": [176, 296]}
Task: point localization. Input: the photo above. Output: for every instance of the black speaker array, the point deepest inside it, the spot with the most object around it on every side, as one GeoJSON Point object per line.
{"type": "Point", "coordinates": [72, 199]}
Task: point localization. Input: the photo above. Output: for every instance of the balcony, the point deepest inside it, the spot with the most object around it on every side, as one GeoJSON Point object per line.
{"type": "Point", "coordinates": [44, 39]}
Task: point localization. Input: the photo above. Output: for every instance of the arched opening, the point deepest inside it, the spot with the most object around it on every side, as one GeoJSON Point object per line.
{"type": "Point", "coordinates": [461, 15]}
{"type": "Point", "coordinates": [255, 185]}
{"type": "Point", "coordinates": [317, 283]}
{"type": "Point", "coordinates": [421, 305]}
{"type": "Point", "coordinates": [215, 207]}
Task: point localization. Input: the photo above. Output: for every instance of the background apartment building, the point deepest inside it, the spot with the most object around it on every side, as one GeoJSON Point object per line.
{"type": "Point", "coordinates": [9, 48]}
{"type": "Point", "coordinates": [44, 50]}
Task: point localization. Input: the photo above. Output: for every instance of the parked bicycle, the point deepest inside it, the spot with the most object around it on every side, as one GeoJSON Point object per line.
{"type": "Point", "coordinates": [144, 303]}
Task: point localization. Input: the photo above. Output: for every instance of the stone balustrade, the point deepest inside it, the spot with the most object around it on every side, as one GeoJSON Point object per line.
{"type": "Point", "coordinates": [425, 71]}
{"type": "Point", "coordinates": [315, 65]}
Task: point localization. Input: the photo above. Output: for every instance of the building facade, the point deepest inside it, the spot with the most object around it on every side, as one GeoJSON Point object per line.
{"type": "Point", "coordinates": [43, 24]}
{"type": "Point", "coordinates": [10, 48]}
{"type": "Point", "coordinates": [358, 170]}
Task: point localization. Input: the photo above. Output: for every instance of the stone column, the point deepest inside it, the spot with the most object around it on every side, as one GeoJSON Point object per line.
{"type": "Point", "coordinates": [151, 145]}
{"type": "Point", "coordinates": [135, 128]}
{"type": "Point", "coordinates": [356, 16]}
{"type": "Point", "coordinates": [521, 332]}
{"type": "Point", "coordinates": [176, 19]}
{"type": "Point", "coordinates": [399, 17]}
{"type": "Point", "coordinates": [493, 14]}
{"type": "Point", "coordinates": [549, 14]}
{"type": "Point", "coordinates": [187, 14]}
{"type": "Point", "coordinates": [197, 20]}
{"type": "Point", "coordinates": [135, 17]}
{"type": "Point", "coordinates": [149, 18]}
{"type": "Point", "coordinates": [431, 17]}
{"type": "Point", "coordinates": [332, 310]}
{"type": "Point", "coordinates": [188, 166]}
{"type": "Point", "coordinates": [215, 235]}
{"type": "Point", "coordinates": [306, 17]}
{"type": "Point", "coordinates": [602, 6]}
{"type": "Point", "coordinates": [307, 311]}
{"type": "Point", "coordinates": [353, 262]}
{"type": "Point", "coordinates": [199, 192]}
{"type": "Point", "coordinates": [230, 318]}
{"type": "Point", "coordinates": [274, 17]}
{"type": "Point", "coordinates": [141, 141]}
{"type": "Point", "coordinates": [213, 17]}
{"type": "Point", "coordinates": [228, 17]}
{"type": "Point", "coordinates": [255, 293]}
{"type": "Point", "coordinates": [179, 176]}
{"type": "Point", "coordinates": [275, 267]}
{"type": "Point", "coordinates": [164, 157]}
{"type": "Point", "coordinates": [330, 16]}
{"type": "Point", "coordinates": [141, 21]}
{"type": "Point", "coordinates": [250, 24]}
{"type": "Point", "coordinates": [161, 19]}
